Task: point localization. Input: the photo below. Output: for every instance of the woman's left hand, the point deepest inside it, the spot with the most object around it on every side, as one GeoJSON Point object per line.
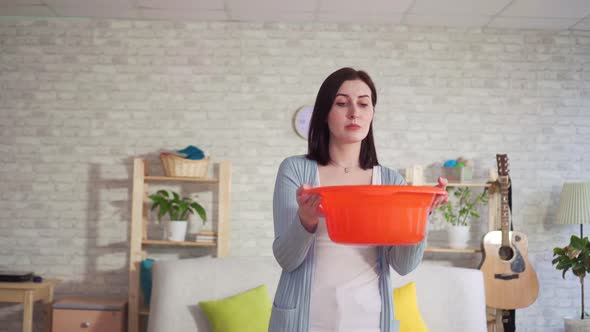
{"type": "Point", "coordinates": [440, 199]}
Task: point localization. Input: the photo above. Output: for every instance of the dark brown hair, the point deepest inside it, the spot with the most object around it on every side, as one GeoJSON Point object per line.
{"type": "Point", "coordinates": [319, 132]}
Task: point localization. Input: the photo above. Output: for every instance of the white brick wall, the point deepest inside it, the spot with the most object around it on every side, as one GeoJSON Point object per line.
{"type": "Point", "coordinates": [79, 98]}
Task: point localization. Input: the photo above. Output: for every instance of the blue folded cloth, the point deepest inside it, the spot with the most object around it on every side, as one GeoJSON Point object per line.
{"type": "Point", "coordinates": [450, 163]}
{"type": "Point", "coordinates": [192, 152]}
{"type": "Point", "coordinates": [145, 279]}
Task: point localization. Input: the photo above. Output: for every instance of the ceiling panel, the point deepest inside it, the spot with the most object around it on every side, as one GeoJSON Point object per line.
{"type": "Point", "coordinates": [459, 7]}
{"type": "Point", "coordinates": [12, 3]}
{"type": "Point", "coordinates": [548, 8]}
{"type": "Point", "coordinates": [582, 25]}
{"type": "Point", "coordinates": [355, 17]}
{"type": "Point", "coordinates": [532, 23]}
{"type": "Point", "coordinates": [171, 14]}
{"type": "Point", "coordinates": [26, 11]}
{"type": "Point", "coordinates": [516, 14]}
{"type": "Point", "coordinates": [96, 11]}
{"type": "Point", "coordinates": [265, 5]}
{"type": "Point", "coordinates": [181, 4]}
{"type": "Point", "coordinates": [447, 20]}
{"type": "Point", "coordinates": [271, 16]}
{"type": "Point", "coordinates": [399, 6]}
{"type": "Point", "coordinates": [89, 3]}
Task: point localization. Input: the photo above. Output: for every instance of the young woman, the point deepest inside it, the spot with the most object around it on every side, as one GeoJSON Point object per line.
{"type": "Point", "coordinates": [326, 286]}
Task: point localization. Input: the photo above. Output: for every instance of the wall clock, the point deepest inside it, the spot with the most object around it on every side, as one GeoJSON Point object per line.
{"type": "Point", "coordinates": [301, 120]}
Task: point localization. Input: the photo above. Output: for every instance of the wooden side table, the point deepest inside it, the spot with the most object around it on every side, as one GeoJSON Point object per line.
{"type": "Point", "coordinates": [27, 293]}
{"type": "Point", "coordinates": [74, 314]}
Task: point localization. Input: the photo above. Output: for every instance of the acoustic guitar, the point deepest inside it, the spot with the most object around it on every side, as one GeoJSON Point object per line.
{"type": "Point", "coordinates": [509, 279]}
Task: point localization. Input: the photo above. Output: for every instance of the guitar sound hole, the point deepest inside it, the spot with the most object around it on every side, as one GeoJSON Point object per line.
{"type": "Point", "coordinates": [506, 253]}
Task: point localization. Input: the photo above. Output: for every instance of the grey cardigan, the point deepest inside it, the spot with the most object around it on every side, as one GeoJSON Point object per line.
{"type": "Point", "coordinates": [293, 249]}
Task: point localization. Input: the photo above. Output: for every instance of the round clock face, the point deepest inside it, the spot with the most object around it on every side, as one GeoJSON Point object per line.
{"type": "Point", "coordinates": [301, 120]}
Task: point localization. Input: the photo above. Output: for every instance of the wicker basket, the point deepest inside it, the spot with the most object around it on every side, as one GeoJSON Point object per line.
{"type": "Point", "coordinates": [178, 166]}
{"type": "Point", "coordinates": [458, 174]}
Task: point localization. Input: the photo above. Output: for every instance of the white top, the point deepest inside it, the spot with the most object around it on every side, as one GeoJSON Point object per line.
{"type": "Point", "coordinates": [345, 288]}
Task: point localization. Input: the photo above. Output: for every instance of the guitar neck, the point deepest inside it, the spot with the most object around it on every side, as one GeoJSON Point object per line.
{"type": "Point", "coordinates": [504, 181]}
{"type": "Point", "coordinates": [505, 217]}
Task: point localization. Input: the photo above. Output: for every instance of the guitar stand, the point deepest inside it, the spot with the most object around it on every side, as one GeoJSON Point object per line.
{"type": "Point", "coordinates": [508, 320]}
{"type": "Point", "coordinates": [499, 320]}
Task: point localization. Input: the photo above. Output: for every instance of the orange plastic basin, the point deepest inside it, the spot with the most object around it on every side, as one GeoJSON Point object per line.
{"type": "Point", "coordinates": [376, 214]}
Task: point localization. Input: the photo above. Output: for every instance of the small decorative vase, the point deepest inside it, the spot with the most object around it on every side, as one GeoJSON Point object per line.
{"type": "Point", "coordinates": [458, 236]}
{"type": "Point", "coordinates": [177, 230]}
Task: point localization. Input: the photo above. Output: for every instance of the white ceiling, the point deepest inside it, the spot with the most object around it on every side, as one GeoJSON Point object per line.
{"type": "Point", "coordinates": [517, 14]}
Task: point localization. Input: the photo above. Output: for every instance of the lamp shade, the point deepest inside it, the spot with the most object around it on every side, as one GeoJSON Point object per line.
{"type": "Point", "coordinates": [574, 204]}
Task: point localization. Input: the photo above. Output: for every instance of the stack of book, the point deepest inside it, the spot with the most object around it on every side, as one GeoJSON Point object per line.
{"type": "Point", "coordinates": [206, 237]}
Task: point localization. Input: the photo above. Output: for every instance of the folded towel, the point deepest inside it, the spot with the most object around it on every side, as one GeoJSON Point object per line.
{"type": "Point", "coordinates": [192, 152]}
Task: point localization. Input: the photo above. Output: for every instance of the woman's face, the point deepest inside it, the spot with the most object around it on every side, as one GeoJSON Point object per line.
{"type": "Point", "coordinates": [351, 114]}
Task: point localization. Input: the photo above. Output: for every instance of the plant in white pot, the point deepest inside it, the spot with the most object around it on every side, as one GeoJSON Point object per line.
{"type": "Point", "coordinates": [461, 207]}
{"type": "Point", "coordinates": [178, 209]}
{"type": "Point", "coordinates": [575, 256]}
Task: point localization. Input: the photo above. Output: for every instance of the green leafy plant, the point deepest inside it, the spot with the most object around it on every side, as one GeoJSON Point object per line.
{"type": "Point", "coordinates": [574, 256]}
{"type": "Point", "coordinates": [178, 208]}
{"type": "Point", "coordinates": [463, 206]}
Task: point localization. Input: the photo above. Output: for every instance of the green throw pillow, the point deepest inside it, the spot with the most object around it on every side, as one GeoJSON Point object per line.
{"type": "Point", "coordinates": [245, 312]}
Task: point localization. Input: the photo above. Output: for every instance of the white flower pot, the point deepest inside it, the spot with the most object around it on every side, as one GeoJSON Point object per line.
{"type": "Point", "coordinates": [458, 236]}
{"type": "Point", "coordinates": [576, 324]}
{"type": "Point", "coordinates": [177, 231]}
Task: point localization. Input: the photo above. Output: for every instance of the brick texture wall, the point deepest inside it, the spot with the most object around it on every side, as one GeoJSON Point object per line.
{"type": "Point", "coordinates": [80, 98]}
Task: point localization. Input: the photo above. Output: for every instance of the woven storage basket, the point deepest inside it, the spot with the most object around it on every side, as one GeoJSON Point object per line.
{"type": "Point", "coordinates": [458, 174]}
{"type": "Point", "coordinates": [178, 166]}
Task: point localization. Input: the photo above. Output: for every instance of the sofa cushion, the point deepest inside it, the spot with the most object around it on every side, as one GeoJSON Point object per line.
{"type": "Point", "coordinates": [451, 298]}
{"type": "Point", "coordinates": [248, 311]}
{"type": "Point", "coordinates": [406, 309]}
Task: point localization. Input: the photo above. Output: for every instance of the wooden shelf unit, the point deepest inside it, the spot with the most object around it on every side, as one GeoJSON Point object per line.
{"type": "Point", "coordinates": [463, 184]}
{"type": "Point", "coordinates": [178, 244]}
{"type": "Point", "coordinates": [178, 178]}
{"type": "Point", "coordinates": [453, 251]}
{"type": "Point", "coordinates": [144, 311]}
{"type": "Point", "coordinates": [139, 234]}
{"type": "Point", "coordinates": [414, 176]}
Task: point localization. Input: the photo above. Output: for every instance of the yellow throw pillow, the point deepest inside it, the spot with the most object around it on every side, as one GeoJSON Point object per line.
{"type": "Point", "coordinates": [248, 311]}
{"type": "Point", "coordinates": [405, 305]}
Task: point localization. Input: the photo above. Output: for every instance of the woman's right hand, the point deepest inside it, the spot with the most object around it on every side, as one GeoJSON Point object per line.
{"type": "Point", "coordinates": [308, 208]}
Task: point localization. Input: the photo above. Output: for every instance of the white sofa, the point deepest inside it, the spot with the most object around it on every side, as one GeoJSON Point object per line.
{"type": "Point", "coordinates": [449, 298]}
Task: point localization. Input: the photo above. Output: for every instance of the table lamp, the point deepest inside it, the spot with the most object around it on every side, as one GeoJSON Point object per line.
{"type": "Point", "coordinates": [574, 205]}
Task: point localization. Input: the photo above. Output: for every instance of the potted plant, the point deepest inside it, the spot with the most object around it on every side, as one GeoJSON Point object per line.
{"type": "Point", "coordinates": [178, 209]}
{"type": "Point", "coordinates": [575, 256]}
{"type": "Point", "coordinates": [461, 207]}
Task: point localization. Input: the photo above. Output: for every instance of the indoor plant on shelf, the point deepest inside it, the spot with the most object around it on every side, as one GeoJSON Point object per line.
{"type": "Point", "coordinates": [178, 209]}
{"type": "Point", "coordinates": [575, 256]}
{"type": "Point", "coordinates": [461, 207]}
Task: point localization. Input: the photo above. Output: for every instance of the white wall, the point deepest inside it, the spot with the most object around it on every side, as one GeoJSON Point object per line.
{"type": "Point", "coordinates": [80, 98]}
